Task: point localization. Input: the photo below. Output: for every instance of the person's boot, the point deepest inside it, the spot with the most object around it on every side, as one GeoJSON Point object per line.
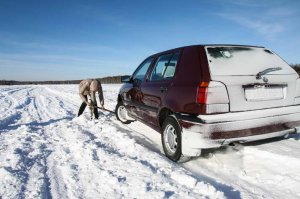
{"type": "Point", "coordinates": [92, 109]}
{"type": "Point", "coordinates": [81, 109]}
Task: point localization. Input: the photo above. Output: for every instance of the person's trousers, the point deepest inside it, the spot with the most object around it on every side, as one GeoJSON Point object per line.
{"type": "Point", "coordinates": [83, 105]}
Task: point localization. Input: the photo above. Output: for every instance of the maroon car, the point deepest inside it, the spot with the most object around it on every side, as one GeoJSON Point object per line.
{"type": "Point", "coordinates": [206, 96]}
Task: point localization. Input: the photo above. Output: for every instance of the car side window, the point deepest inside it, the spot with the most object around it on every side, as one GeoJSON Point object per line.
{"type": "Point", "coordinates": [140, 73]}
{"type": "Point", "coordinates": [164, 67]}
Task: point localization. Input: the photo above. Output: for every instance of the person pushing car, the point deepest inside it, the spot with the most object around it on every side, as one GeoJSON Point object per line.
{"type": "Point", "coordinates": [89, 88]}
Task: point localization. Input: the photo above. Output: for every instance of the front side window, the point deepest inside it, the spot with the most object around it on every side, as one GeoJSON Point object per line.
{"type": "Point", "coordinates": [165, 67]}
{"type": "Point", "coordinates": [140, 73]}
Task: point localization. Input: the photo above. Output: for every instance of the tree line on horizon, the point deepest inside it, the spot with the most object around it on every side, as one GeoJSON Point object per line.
{"type": "Point", "coordinates": [104, 80]}
{"type": "Point", "coordinates": [296, 67]}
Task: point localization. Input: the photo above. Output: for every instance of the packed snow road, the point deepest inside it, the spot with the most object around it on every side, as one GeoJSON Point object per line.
{"type": "Point", "coordinates": [47, 152]}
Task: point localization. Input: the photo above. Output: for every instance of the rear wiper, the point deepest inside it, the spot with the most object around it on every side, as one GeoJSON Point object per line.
{"type": "Point", "coordinates": [268, 70]}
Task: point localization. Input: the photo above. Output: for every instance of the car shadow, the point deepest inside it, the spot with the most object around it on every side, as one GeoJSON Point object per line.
{"type": "Point", "coordinates": [139, 138]}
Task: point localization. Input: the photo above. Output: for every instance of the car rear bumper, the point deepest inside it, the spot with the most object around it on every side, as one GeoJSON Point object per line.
{"type": "Point", "coordinates": [209, 131]}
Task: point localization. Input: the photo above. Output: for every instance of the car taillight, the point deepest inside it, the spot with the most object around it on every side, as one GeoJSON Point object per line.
{"type": "Point", "coordinates": [212, 97]}
{"type": "Point", "coordinates": [202, 92]}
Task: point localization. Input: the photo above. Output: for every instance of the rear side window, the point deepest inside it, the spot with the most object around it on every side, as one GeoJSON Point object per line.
{"type": "Point", "coordinates": [140, 73]}
{"type": "Point", "coordinates": [165, 67]}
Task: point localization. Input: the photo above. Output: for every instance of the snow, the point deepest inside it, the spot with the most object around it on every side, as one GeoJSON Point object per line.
{"type": "Point", "coordinates": [48, 152]}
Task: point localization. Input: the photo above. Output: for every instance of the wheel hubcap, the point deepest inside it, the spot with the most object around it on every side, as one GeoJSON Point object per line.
{"type": "Point", "coordinates": [122, 113]}
{"type": "Point", "coordinates": [170, 137]}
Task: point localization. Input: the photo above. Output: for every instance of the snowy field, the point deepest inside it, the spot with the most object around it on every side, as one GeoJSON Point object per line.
{"type": "Point", "coordinates": [47, 152]}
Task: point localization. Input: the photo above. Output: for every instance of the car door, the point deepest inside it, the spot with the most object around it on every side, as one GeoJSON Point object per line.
{"type": "Point", "coordinates": [132, 96]}
{"type": "Point", "coordinates": [156, 86]}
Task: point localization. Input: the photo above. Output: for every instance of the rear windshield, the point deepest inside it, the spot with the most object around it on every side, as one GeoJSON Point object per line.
{"type": "Point", "coordinates": [240, 60]}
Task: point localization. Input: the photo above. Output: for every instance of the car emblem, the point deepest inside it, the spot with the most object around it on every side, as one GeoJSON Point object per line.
{"type": "Point", "coordinates": [265, 79]}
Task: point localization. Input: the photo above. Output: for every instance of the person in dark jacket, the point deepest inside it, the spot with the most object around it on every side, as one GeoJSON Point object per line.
{"type": "Point", "coordinates": [89, 88]}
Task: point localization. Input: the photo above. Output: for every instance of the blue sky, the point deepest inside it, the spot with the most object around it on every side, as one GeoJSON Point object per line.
{"type": "Point", "coordinates": [72, 39]}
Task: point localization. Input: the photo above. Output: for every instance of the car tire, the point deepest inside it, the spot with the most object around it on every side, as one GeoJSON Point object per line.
{"type": "Point", "coordinates": [121, 113]}
{"type": "Point", "coordinates": [171, 140]}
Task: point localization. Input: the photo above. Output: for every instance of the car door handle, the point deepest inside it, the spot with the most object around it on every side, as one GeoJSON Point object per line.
{"type": "Point", "coordinates": [163, 89]}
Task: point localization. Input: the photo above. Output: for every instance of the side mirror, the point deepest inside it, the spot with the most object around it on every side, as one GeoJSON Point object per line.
{"type": "Point", "coordinates": [137, 82]}
{"type": "Point", "coordinates": [125, 79]}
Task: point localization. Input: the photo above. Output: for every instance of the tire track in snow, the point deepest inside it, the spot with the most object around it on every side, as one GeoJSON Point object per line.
{"type": "Point", "coordinates": [69, 101]}
{"type": "Point", "coordinates": [31, 169]}
{"type": "Point", "coordinates": [47, 106]}
{"type": "Point", "coordinates": [6, 103]}
{"type": "Point", "coordinates": [13, 112]}
{"type": "Point", "coordinates": [57, 182]}
{"type": "Point", "coordinates": [32, 109]}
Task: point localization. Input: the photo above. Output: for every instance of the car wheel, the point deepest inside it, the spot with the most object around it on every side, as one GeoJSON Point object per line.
{"type": "Point", "coordinates": [171, 139]}
{"type": "Point", "coordinates": [121, 113]}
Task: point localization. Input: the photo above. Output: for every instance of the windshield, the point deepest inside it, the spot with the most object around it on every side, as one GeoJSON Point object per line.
{"type": "Point", "coordinates": [243, 60]}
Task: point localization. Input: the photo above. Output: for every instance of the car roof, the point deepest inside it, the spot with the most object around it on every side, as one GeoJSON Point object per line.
{"type": "Point", "coordinates": [203, 45]}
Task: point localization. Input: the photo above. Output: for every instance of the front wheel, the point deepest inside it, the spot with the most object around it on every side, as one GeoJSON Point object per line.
{"type": "Point", "coordinates": [171, 139]}
{"type": "Point", "coordinates": [121, 113]}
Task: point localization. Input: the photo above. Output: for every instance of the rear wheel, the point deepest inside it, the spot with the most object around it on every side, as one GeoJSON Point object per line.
{"type": "Point", "coordinates": [171, 139]}
{"type": "Point", "coordinates": [121, 113]}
